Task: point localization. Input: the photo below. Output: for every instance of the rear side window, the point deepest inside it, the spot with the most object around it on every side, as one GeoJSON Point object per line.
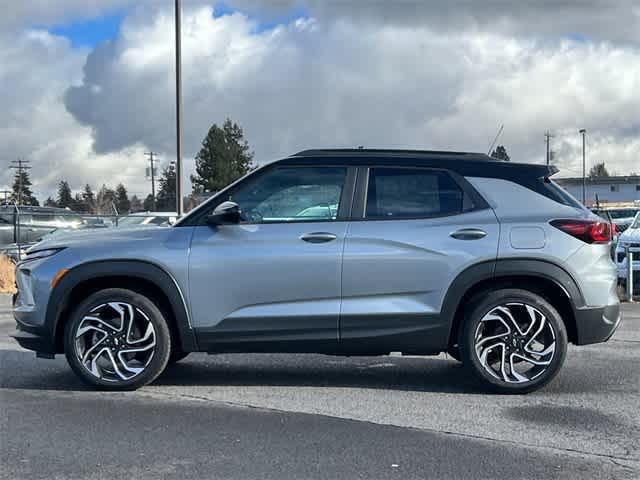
{"type": "Point", "coordinates": [413, 193]}
{"type": "Point", "coordinates": [560, 195]}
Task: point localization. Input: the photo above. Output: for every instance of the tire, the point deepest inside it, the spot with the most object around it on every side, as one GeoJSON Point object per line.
{"type": "Point", "coordinates": [491, 343]}
{"type": "Point", "coordinates": [122, 337]}
{"type": "Point", "coordinates": [176, 356]}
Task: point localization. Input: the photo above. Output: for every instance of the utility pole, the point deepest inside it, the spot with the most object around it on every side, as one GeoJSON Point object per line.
{"type": "Point", "coordinates": [6, 195]}
{"type": "Point", "coordinates": [20, 166]}
{"type": "Point", "coordinates": [179, 199]}
{"type": "Point", "coordinates": [152, 168]}
{"type": "Point", "coordinates": [584, 168]}
{"type": "Point", "coordinates": [548, 136]}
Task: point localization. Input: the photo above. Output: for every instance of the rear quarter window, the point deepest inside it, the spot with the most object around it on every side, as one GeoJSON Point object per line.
{"type": "Point", "coordinates": [560, 195]}
{"type": "Point", "coordinates": [394, 193]}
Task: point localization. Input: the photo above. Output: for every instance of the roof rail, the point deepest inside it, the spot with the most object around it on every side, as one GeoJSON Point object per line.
{"type": "Point", "coordinates": [380, 151]}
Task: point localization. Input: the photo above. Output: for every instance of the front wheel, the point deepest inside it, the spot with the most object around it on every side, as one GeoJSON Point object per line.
{"type": "Point", "coordinates": [514, 340]}
{"type": "Point", "coordinates": [117, 339]}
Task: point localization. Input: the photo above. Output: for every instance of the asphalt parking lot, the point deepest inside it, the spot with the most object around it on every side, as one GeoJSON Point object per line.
{"type": "Point", "coordinates": [313, 416]}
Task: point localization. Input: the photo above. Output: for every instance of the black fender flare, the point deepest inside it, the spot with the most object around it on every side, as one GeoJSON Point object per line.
{"type": "Point", "coordinates": [136, 269]}
{"type": "Point", "coordinates": [503, 268]}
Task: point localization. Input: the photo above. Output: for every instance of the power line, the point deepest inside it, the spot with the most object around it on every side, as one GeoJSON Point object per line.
{"type": "Point", "coordinates": [152, 170]}
{"type": "Point", "coordinates": [20, 166]}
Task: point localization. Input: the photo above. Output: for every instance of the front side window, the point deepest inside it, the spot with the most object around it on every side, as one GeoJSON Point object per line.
{"type": "Point", "coordinates": [291, 194]}
{"type": "Point", "coordinates": [413, 193]}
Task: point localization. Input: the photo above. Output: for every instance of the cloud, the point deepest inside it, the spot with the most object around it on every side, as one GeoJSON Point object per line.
{"type": "Point", "coordinates": [342, 83]}
{"type": "Point", "coordinates": [37, 68]}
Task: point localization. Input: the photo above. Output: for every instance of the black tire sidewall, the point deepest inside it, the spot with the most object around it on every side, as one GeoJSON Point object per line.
{"type": "Point", "coordinates": [479, 307]}
{"type": "Point", "coordinates": [163, 338]}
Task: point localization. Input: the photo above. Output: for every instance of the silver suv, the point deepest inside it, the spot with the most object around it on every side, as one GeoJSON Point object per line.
{"type": "Point", "coordinates": [342, 252]}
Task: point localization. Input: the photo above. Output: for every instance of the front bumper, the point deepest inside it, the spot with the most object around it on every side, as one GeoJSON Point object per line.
{"type": "Point", "coordinates": [595, 325]}
{"type": "Point", "coordinates": [32, 337]}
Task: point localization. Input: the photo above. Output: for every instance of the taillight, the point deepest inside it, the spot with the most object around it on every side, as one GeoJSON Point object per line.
{"type": "Point", "coordinates": [589, 231]}
{"type": "Point", "coordinates": [614, 230]}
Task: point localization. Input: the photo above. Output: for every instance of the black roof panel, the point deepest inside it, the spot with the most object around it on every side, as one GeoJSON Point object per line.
{"type": "Point", "coordinates": [464, 163]}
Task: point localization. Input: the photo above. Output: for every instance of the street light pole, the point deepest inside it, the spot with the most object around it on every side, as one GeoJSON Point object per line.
{"type": "Point", "coordinates": [584, 169]}
{"type": "Point", "coordinates": [179, 199]}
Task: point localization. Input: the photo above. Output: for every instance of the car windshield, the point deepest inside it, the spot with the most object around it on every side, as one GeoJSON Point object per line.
{"type": "Point", "coordinates": [622, 213]}
{"type": "Point", "coordinates": [636, 222]}
{"type": "Point", "coordinates": [132, 220]}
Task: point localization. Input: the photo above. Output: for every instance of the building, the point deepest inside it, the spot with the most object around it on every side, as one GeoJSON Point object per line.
{"type": "Point", "coordinates": [618, 189]}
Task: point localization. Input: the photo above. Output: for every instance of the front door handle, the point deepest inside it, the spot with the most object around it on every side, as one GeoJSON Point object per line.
{"type": "Point", "coordinates": [318, 237]}
{"type": "Point", "coordinates": [468, 234]}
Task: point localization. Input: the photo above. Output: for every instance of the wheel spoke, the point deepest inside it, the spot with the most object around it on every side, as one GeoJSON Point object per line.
{"type": "Point", "coordinates": [508, 314]}
{"type": "Point", "coordinates": [85, 357]}
{"type": "Point", "coordinates": [533, 361]}
{"type": "Point", "coordinates": [514, 372]}
{"type": "Point", "coordinates": [114, 363]}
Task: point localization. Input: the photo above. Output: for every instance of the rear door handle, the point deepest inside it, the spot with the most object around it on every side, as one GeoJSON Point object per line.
{"type": "Point", "coordinates": [468, 234]}
{"type": "Point", "coordinates": [318, 237]}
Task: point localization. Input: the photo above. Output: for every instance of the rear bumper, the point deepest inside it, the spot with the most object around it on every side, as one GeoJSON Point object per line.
{"type": "Point", "coordinates": [595, 325]}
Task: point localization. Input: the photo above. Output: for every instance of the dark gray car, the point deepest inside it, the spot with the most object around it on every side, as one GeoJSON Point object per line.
{"type": "Point", "coordinates": [26, 224]}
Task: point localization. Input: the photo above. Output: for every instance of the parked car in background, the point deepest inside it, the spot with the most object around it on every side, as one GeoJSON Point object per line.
{"type": "Point", "coordinates": [148, 218]}
{"type": "Point", "coordinates": [622, 217]}
{"type": "Point", "coordinates": [629, 238]}
{"type": "Point", "coordinates": [26, 224]}
{"type": "Point", "coordinates": [424, 252]}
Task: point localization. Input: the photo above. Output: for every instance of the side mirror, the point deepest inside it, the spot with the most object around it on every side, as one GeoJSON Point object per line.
{"type": "Point", "coordinates": [172, 220]}
{"type": "Point", "coordinates": [227, 213]}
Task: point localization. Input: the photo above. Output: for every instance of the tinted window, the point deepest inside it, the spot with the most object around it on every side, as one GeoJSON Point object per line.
{"type": "Point", "coordinates": [159, 221]}
{"type": "Point", "coordinates": [292, 194]}
{"type": "Point", "coordinates": [42, 217]}
{"type": "Point", "coordinates": [412, 193]}
{"type": "Point", "coordinates": [560, 195]}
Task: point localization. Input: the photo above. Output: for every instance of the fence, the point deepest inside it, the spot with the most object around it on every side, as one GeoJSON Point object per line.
{"type": "Point", "coordinates": [632, 282]}
{"type": "Point", "coordinates": [21, 227]}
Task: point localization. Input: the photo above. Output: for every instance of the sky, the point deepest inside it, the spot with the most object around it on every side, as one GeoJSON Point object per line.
{"type": "Point", "coordinates": [88, 85]}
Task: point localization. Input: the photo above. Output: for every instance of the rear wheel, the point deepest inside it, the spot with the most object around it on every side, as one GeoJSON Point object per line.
{"type": "Point", "coordinates": [514, 340]}
{"type": "Point", "coordinates": [117, 339]}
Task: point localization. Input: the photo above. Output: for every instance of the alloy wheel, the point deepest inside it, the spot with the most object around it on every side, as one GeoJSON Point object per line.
{"type": "Point", "coordinates": [115, 341]}
{"type": "Point", "coordinates": [515, 342]}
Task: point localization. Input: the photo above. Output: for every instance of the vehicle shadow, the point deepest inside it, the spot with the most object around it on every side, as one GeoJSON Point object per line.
{"type": "Point", "coordinates": [387, 373]}
{"type": "Point", "coordinates": [21, 370]}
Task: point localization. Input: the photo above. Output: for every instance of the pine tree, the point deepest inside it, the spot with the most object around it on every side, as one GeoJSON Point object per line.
{"type": "Point", "coordinates": [50, 202]}
{"type": "Point", "coordinates": [65, 198]}
{"type": "Point", "coordinates": [88, 199]}
{"type": "Point", "coordinates": [501, 153]}
{"type": "Point", "coordinates": [123, 204]}
{"type": "Point", "coordinates": [147, 205]}
{"type": "Point", "coordinates": [224, 157]}
{"type": "Point", "coordinates": [22, 193]}
{"type": "Point", "coordinates": [598, 170]}
{"type": "Point", "coordinates": [166, 197]}
{"type": "Point", "coordinates": [105, 201]}
{"type": "Point", "coordinates": [136, 204]}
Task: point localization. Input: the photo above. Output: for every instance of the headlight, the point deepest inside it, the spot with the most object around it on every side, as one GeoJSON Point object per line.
{"type": "Point", "coordinates": [39, 254]}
